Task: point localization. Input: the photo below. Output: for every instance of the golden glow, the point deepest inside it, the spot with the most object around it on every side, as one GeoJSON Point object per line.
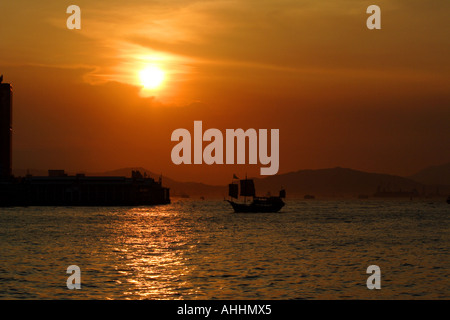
{"type": "Point", "coordinates": [152, 77]}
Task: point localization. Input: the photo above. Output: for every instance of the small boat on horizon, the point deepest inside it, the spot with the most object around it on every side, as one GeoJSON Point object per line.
{"type": "Point", "coordinates": [258, 204]}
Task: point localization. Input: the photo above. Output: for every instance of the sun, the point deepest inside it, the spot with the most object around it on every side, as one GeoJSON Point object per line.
{"type": "Point", "coordinates": [152, 77]}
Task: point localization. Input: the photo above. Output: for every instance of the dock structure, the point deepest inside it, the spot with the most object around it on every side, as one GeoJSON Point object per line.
{"type": "Point", "coordinates": [81, 190]}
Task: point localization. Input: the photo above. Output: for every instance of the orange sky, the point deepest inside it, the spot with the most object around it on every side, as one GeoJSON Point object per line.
{"type": "Point", "coordinates": [340, 94]}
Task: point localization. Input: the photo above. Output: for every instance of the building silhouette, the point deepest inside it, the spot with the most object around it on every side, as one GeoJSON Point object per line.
{"type": "Point", "coordinates": [5, 131]}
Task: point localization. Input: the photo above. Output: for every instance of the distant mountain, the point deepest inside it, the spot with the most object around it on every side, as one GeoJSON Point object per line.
{"type": "Point", "coordinates": [323, 182]}
{"type": "Point", "coordinates": [434, 175]}
{"type": "Point", "coordinates": [335, 182]}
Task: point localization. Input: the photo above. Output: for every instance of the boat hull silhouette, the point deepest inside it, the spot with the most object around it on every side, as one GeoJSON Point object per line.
{"type": "Point", "coordinates": [258, 205]}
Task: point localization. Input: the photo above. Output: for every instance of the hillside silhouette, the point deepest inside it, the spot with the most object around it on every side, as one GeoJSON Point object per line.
{"type": "Point", "coordinates": [335, 182]}
{"type": "Point", "coordinates": [434, 175]}
{"type": "Point", "coordinates": [332, 182]}
{"type": "Point", "coordinates": [324, 182]}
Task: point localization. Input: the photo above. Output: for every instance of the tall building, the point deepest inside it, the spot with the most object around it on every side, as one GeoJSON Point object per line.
{"type": "Point", "coordinates": [5, 130]}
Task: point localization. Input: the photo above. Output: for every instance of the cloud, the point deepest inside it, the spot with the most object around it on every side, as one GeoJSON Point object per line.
{"type": "Point", "coordinates": [189, 38]}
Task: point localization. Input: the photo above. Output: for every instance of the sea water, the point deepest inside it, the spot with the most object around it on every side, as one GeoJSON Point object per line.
{"type": "Point", "coordinates": [318, 249]}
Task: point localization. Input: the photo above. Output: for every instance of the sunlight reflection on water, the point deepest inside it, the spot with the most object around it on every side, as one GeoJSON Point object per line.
{"type": "Point", "coordinates": [200, 250]}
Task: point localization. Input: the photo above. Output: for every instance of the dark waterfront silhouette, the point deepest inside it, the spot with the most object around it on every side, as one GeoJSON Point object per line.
{"type": "Point", "coordinates": [61, 189]}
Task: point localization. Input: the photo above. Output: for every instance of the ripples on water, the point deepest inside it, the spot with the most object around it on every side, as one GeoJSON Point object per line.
{"type": "Point", "coordinates": [200, 250]}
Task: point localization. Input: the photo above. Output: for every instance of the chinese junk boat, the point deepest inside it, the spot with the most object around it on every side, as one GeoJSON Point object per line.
{"type": "Point", "coordinates": [258, 204]}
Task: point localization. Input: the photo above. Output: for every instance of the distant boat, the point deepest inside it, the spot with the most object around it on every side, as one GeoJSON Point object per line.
{"type": "Point", "coordinates": [258, 204]}
{"type": "Point", "coordinates": [363, 196]}
{"type": "Point", "coordinates": [309, 196]}
{"type": "Point", "coordinates": [383, 193]}
{"type": "Point", "coordinates": [396, 194]}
